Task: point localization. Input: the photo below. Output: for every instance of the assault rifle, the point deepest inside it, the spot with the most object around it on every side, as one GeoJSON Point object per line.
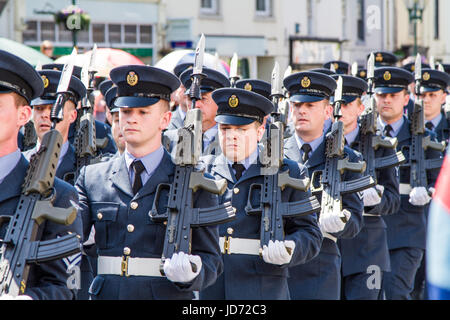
{"type": "Point", "coordinates": [331, 186]}
{"type": "Point", "coordinates": [419, 142]}
{"type": "Point", "coordinates": [86, 143]}
{"type": "Point", "coordinates": [370, 141]}
{"type": "Point", "coordinates": [180, 215]}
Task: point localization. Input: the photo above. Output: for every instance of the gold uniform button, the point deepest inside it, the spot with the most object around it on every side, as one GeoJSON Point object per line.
{"type": "Point", "coordinates": [236, 190]}
{"type": "Point", "coordinates": [130, 228]}
{"type": "Point", "coordinates": [230, 231]}
{"type": "Point", "coordinates": [126, 251]}
{"type": "Point", "coordinates": [99, 216]}
{"type": "Point", "coordinates": [134, 205]}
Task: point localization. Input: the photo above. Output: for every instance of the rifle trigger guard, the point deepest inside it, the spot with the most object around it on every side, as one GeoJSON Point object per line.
{"type": "Point", "coordinates": [248, 208]}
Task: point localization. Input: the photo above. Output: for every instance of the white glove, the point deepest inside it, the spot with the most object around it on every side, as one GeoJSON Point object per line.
{"type": "Point", "coordinates": [371, 196]}
{"type": "Point", "coordinates": [19, 297]}
{"type": "Point", "coordinates": [277, 252]}
{"type": "Point", "coordinates": [333, 223]}
{"type": "Point", "coordinates": [419, 196]}
{"type": "Point", "coordinates": [179, 269]}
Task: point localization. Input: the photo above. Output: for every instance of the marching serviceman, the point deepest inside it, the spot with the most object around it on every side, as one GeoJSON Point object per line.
{"type": "Point", "coordinates": [434, 93]}
{"type": "Point", "coordinates": [110, 96]}
{"type": "Point", "coordinates": [319, 278]}
{"type": "Point", "coordinates": [213, 80]}
{"type": "Point", "coordinates": [249, 272]}
{"type": "Point", "coordinates": [179, 99]}
{"type": "Point", "coordinates": [42, 122]}
{"type": "Point", "coordinates": [102, 130]}
{"type": "Point", "coordinates": [368, 249]}
{"type": "Point", "coordinates": [129, 243]}
{"type": "Point", "coordinates": [405, 228]}
{"type": "Point", "coordinates": [19, 84]}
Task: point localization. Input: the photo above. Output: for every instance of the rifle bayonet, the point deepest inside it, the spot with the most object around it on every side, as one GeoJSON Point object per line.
{"type": "Point", "coordinates": [234, 70]}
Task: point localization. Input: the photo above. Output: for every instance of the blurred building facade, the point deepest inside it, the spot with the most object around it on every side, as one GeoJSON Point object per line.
{"type": "Point", "coordinates": [300, 33]}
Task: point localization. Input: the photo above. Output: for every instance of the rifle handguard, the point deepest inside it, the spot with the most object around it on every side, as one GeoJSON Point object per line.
{"type": "Point", "coordinates": [384, 142]}
{"type": "Point", "coordinates": [345, 164]}
{"type": "Point", "coordinates": [41, 173]}
{"type": "Point", "coordinates": [44, 210]}
{"type": "Point", "coordinates": [284, 180]}
{"type": "Point", "coordinates": [198, 180]}
{"type": "Point", "coordinates": [428, 143]}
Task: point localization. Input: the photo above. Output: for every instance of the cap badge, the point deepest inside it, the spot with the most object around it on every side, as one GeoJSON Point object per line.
{"type": "Point", "coordinates": [387, 76]}
{"type": "Point", "coordinates": [233, 101]}
{"type": "Point", "coordinates": [413, 68]}
{"type": "Point", "coordinates": [248, 86]}
{"type": "Point", "coordinates": [362, 74]}
{"type": "Point", "coordinates": [379, 57]}
{"type": "Point", "coordinates": [336, 66]}
{"type": "Point", "coordinates": [45, 80]}
{"type": "Point", "coordinates": [132, 78]}
{"type": "Point", "coordinates": [426, 76]}
{"type": "Point", "coordinates": [306, 82]}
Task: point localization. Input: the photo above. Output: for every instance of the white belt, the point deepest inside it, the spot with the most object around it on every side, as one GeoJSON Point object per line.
{"type": "Point", "coordinates": [229, 245]}
{"type": "Point", "coordinates": [126, 266]}
{"type": "Point", "coordinates": [329, 236]}
{"type": "Point", "coordinates": [405, 188]}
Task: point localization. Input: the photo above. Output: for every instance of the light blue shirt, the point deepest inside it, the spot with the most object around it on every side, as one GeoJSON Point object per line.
{"type": "Point", "coordinates": [314, 144]}
{"type": "Point", "coordinates": [151, 161]}
{"type": "Point", "coordinates": [8, 163]}
{"type": "Point", "coordinates": [396, 126]}
{"type": "Point", "coordinates": [351, 136]}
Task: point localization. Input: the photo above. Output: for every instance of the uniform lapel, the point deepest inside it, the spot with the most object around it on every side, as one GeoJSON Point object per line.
{"type": "Point", "coordinates": [67, 162]}
{"type": "Point", "coordinates": [221, 167]}
{"type": "Point", "coordinates": [119, 175]}
{"type": "Point", "coordinates": [404, 133]}
{"type": "Point", "coordinates": [317, 157]}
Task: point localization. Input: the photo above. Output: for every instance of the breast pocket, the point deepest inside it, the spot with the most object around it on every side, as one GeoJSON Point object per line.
{"type": "Point", "coordinates": [104, 215]}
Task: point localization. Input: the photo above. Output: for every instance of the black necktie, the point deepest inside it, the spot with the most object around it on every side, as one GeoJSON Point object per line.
{"type": "Point", "coordinates": [306, 148]}
{"type": "Point", "coordinates": [137, 167]}
{"type": "Point", "coordinates": [239, 169]}
{"type": "Point", "coordinates": [387, 130]}
{"type": "Point", "coordinates": [429, 125]}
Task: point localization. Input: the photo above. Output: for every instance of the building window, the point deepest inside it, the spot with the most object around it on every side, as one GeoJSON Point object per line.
{"type": "Point", "coordinates": [115, 33]}
{"type": "Point", "coordinates": [48, 31]}
{"type": "Point", "coordinates": [209, 7]}
{"type": "Point", "coordinates": [110, 35]}
{"type": "Point", "coordinates": [360, 20]}
{"type": "Point", "coordinates": [145, 33]}
{"type": "Point", "coordinates": [263, 8]}
{"type": "Point", "coordinates": [130, 34]}
{"type": "Point", "coordinates": [436, 19]}
{"type": "Point", "coordinates": [98, 33]}
{"type": "Point", "coordinates": [31, 31]}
